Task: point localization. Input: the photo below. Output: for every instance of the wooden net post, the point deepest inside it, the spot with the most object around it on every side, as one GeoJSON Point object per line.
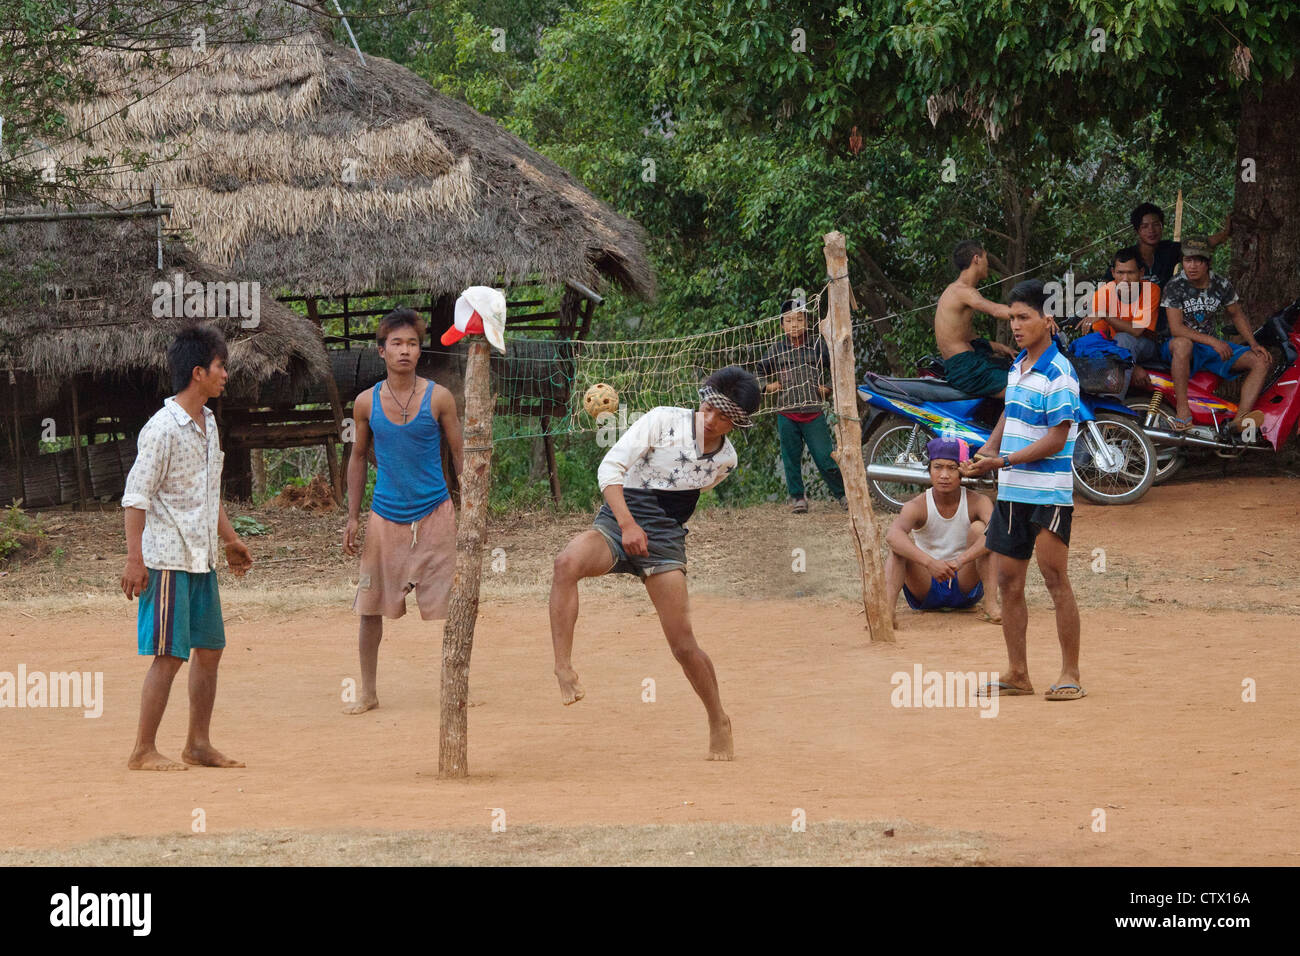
{"type": "Point", "coordinates": [848, 429]}
{"type": "Point", "coordinates": [462, 611]}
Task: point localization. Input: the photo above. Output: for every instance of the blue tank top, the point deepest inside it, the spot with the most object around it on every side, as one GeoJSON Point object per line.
{"type": "Point", "coordinates": [410, 483]}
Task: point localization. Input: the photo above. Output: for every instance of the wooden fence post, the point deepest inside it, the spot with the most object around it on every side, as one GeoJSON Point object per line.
{"type": "Point", "coordinates": [462, 611]}
{"type": "Point", "coordinates": [848, 453]}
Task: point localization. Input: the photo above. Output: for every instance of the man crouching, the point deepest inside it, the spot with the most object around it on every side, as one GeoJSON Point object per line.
{"type": "Point", "coordinates": [937, 555]}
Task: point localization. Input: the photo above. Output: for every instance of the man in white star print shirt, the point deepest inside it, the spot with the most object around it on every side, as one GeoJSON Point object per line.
{"type": "Point", "coordinates": [651, 480]}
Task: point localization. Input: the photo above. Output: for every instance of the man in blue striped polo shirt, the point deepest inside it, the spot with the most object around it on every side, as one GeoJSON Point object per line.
{"type": "Point", "coordinates": [1034, 443]}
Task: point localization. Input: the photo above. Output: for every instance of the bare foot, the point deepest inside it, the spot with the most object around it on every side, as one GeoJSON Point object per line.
{"type": "Point", "coordinates": [570, 689]}
{"type": "Point", "coordinates": [721, 745]}
{"type": "Point", "coordinates": [207, 757]}
{"type": "Point", "coordinates": [152, 760]}
{"type": "Point", "coordinates": [363, 705]}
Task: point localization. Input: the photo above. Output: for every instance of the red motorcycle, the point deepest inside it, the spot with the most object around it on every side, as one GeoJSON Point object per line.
{"type": "Point", "coordinates": [1279, 402]}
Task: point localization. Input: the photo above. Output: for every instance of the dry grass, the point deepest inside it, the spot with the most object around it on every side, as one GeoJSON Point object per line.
{"type": "Point", "coordinates": [733, 551]}
{"type": "Point", "coordinates": [833, 843]}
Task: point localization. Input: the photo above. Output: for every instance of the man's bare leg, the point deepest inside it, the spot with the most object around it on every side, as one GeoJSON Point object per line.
{"type": "Point", "coordinates": [1015, 620]}
{"type": "Point", "coordinates": [898, 571]}
{"type": "Point", "coordinates": [586, 556]}
{"type": "Point", "coordinates": [1053, 560]}
{"type": "Point", "coordinates": [668, 592]}
{"type": "Point", "coordinates": [1254, 383]}
{"type": "Point", "coordinates": [371, 633]}
{"type": "Point", "coordinates": [203, 693]}
{"type": "Point", "coordinates": [986, 571]}
{"type": "Point", "coordinates": [1180, 365]}
{"type": "Point", "coordinates": [153, 702]}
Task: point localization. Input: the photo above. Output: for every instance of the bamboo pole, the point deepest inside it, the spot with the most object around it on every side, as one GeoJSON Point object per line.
{"type": "Point", "coordinates": [18, 436]}
{"type": "Point", "coordinates": [336, 405]}
{"type": "Point", "coordinates": [82, 492]}
{"type": "Point", "coordinates": [1178, 217]}
{"type": "Point", "coordinates": [462, 612]}
{"type": "Point", "coordinates": [548, 447]}
{"type": "Point", "coordinates": [848, 454]}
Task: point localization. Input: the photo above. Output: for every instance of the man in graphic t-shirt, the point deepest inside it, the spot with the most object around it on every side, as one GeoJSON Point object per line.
{"type": "Point", "coordinates": [1196, 302]}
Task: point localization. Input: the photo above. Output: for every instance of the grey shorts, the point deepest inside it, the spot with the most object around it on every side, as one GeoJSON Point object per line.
{"type": "Point", "coordinates": [666, 541]}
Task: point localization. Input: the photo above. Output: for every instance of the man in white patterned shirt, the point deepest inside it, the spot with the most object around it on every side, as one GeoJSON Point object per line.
{"type": "Point", "coordinates": [651, 480]}
{"type": "Point", "coordinates": [174, 517]}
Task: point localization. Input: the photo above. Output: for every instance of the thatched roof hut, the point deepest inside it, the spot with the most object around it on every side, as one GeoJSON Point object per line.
{"type": "Point", "coordinates": [79, 300]}
{"type": "Point", "coordinates": [292, 163]}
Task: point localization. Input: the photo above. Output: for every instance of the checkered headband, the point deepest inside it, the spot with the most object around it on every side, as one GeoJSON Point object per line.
{"type": "Point", "coordinates": [739, 417]}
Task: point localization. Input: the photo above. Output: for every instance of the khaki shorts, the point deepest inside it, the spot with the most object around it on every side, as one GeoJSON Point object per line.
{"type": "Point", "coordinates": [397, 559]}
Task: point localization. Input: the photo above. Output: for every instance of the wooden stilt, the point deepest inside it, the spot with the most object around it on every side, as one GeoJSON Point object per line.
{"type": "Point", "coordinates": [848, 428]}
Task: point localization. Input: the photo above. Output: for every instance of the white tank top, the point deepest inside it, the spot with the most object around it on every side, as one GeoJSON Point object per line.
{"type": "Point", "coordinates": [942, 538]}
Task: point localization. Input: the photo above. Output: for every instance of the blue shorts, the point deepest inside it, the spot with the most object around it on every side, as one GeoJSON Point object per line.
{"type": "Point", "coordinates": [178, 611]}
{"type": "Point", "coordinates": [1205, 359]}
{"type": "Point", "coordinates": [944, 594]}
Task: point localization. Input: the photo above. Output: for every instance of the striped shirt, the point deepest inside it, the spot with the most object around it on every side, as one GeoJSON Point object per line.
{"type": "Point", "coordinates": [1037, 400]}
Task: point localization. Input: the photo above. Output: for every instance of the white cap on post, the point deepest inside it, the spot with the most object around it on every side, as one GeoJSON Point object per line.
{"type": "Point", "coordinates": [480, 310]}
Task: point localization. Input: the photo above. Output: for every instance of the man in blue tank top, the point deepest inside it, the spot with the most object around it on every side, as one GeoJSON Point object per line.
{"type": "Point", "coordinates": [410, 542]}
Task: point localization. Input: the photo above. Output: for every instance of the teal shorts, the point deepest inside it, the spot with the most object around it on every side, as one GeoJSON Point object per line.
{"type": "Point", "coordinates": [180, 610]}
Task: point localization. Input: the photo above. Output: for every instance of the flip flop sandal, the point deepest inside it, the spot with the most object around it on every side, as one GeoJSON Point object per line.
{"type": "Point", "coordinates": [1065, 692]}
{"type": "Point", "coordinates": [1181, 424]}
{"type": "Point", "coordinates": [997, 688]}
{"type": "Point", "coordinates": [988, 618]}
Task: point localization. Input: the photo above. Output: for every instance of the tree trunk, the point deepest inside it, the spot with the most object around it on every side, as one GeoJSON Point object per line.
{"type": "Point", "coordinates": [462, 611]}
{"type": "Point", "coordinates": [848, 454]}
{"type": "Point", "coordinates": [1266, 213]}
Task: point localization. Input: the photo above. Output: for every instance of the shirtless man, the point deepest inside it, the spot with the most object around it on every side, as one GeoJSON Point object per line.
{"type": "Point", "coordinates": [970, 363]}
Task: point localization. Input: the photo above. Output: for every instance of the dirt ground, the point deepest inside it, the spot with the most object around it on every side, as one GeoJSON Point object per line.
{"type": "Point", "coordinates": [1200, 592]}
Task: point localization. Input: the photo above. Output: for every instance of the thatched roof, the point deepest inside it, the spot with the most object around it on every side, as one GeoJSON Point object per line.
{"type": "Point", "coordinates": [77, 297]}
{"type": "Point", "coordinates": [252, 141]}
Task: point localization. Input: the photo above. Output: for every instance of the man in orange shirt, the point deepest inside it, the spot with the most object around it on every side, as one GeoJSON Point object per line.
{"type": "Point", "coordinates": [1127, 310]}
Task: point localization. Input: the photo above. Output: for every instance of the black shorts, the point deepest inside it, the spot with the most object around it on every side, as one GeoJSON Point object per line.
{"type": "Point", "coordinates": [1015, 526]}
{"type": "Point", "coordinates": [665, 540]}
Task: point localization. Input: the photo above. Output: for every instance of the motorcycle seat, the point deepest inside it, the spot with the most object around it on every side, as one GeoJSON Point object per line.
{"type": "Point", "coordinates": [917, 389]}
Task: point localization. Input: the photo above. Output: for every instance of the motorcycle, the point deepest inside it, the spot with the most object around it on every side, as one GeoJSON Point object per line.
{"type": "Point", "coordinates": [1114, 460]}
{"type": "Point", "coordinates": [1211, 429]}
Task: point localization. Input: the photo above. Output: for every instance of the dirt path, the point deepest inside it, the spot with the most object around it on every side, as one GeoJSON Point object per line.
{"type": "Point", "coordinates": [1185, 771]}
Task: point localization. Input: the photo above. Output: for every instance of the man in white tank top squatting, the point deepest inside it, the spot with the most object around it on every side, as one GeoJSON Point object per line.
{"type": "Point", "coordinates": [937, 556]}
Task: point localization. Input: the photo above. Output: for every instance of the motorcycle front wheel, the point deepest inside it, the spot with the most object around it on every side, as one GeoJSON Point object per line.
{"type": "Point", "coordinates": [895, 441]}
{"type": "Point", "coordinates": [1124, 471]}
